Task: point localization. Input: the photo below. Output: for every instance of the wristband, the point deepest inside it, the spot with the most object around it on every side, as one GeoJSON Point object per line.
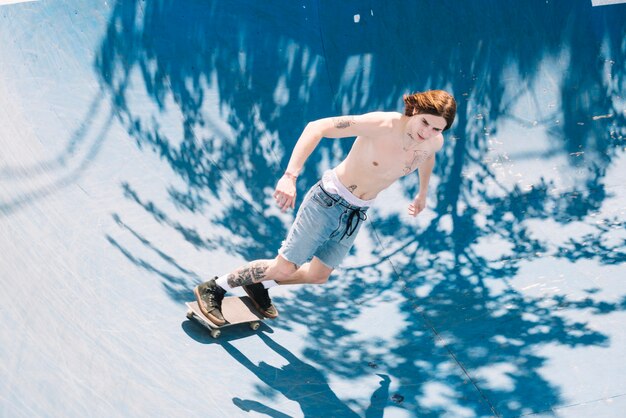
{"type": "Point", "coordinates": [291, 176]}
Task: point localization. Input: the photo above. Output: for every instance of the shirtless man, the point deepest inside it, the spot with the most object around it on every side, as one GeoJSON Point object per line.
{"type": "Point", "coordinates": [389, 145]}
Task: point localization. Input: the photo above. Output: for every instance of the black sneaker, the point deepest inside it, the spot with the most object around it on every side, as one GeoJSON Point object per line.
{"type": "Point", "coordinates": [209, 296]}
{"type": "Point", "coordinates": [261, 299]}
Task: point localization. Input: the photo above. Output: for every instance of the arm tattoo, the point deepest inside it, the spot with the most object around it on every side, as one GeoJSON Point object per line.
{"type": "Point", "coordinates": [345, 122]}
{"type": "Point", "coordinates": [253, 272]}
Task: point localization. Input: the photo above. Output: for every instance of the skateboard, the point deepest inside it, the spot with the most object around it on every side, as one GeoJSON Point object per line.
{"type": "Point", "coordinates": [236, 310]}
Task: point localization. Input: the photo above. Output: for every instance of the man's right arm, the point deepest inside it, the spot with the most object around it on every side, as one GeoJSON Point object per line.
{"type": "Point", "coordinates": [369, 124]}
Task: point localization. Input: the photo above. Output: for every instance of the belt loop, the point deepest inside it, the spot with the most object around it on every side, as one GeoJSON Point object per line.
{"type": "Point", "coordinates": [328, 194]}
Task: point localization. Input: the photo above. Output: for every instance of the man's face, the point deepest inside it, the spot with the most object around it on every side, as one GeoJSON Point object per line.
{"type": "Point", "coordinates": [422, 127]}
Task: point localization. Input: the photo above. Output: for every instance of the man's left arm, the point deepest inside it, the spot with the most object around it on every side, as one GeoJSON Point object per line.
{"type": "Point", "coordinates": [425, 170]}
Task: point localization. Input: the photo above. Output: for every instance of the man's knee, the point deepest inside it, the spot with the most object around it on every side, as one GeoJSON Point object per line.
{"type": "Point", "coordinates": [318, 272]}
{"type": "Point", "coordinates": [319, 278]}
{"type": "Point", "coordinates": [282, 269]}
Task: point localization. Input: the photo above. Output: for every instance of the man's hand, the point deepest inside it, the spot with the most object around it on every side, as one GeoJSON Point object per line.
{"type": "Point", "coordinates": [285, 193]}
{"type": "Point", "coordinates": [417, 206]}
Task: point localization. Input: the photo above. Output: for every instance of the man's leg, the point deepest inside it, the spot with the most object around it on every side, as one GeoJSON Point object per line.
{"type": "Point", "coordinates": [314, 272]}
{"type": "Point", "coordinates": [257, 271]}
{"type": "Point", "coordinates": [277, 271]}
{"type": "Point", "coordinates": [249, 276]}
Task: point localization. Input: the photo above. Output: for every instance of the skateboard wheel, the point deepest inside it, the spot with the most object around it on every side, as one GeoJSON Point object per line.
{"type": "Point", "coordinates": [216, 333]}
{"type": "Point", "coordinates": [189, 315]}
{"type": "Point", "coordinates": [255, 325]}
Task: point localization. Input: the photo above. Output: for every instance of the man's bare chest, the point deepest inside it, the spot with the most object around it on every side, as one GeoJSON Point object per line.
{"type": "Point", "coordinates": [394, 160]}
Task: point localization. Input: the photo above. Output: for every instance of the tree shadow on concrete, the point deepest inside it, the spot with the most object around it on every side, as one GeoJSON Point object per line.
{"type": "Point", "coordinates": [28, 184]}
{"type": "Point", "coordinates": [245, 84]}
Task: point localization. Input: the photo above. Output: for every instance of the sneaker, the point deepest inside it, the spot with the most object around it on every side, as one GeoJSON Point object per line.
{"type": "Point", "coordinates": [261, 299]}
{"type": "Point", "coordinates": [209, 296]}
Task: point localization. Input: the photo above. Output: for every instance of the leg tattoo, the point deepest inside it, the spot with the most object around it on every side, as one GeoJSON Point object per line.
{"type": "Point", "coordinates": [253, 272]}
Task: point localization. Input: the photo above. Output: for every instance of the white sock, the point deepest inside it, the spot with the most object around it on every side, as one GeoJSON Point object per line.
{"type": "Point", "coordinates": [269, 284]}
{"type": "Point", "coordinates": [223, 283]}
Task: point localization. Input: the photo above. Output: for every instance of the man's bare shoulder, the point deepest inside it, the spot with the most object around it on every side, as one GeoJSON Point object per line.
{"type": "Point", "coordinates": [380, 122]}
{"type": "Point", "coordinates": [438, 143]}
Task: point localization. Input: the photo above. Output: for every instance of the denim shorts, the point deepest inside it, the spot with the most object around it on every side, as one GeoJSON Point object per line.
{"type": "Point", "coordinates": [325, 227]}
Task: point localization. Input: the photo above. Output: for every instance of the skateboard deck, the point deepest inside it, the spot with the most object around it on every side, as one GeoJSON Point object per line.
{"type": "Point", "coordinates": [236, 310]}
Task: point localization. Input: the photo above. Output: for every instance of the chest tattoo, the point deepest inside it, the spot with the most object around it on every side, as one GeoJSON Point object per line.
{"type": "Point", "coordinates": [416, 158]}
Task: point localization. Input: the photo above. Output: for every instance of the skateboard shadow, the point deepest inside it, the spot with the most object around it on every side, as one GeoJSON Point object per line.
{"type": "Point", "coordinates": [235, 332]}
{"type": "Point", "coordinates": [304, 384]}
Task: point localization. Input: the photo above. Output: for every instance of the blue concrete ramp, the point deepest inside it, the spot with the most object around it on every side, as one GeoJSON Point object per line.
{"type": "Point", "coordinates": [140, 143]}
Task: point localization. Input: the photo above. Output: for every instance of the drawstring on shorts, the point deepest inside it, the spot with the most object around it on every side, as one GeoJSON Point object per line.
{"type": "Point", "coordinates": [352, 212]}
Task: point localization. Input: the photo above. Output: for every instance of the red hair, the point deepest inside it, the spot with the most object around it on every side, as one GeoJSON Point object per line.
{"type": "Point", "coordinates": [432, 102]}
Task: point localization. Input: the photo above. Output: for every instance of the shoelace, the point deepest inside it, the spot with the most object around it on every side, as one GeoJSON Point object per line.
{"type": "Point", "coordinates": [213, 297]}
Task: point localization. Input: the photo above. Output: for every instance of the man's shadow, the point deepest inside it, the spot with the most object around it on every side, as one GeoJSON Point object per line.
{"type": "Point", "coordinates": [297, 381]}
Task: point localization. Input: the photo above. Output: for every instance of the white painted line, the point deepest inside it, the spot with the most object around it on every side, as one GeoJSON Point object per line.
{"type": "Point", "coordinates": [5, 2]}
{"type": "Point", "coordinates": [606, 2]}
